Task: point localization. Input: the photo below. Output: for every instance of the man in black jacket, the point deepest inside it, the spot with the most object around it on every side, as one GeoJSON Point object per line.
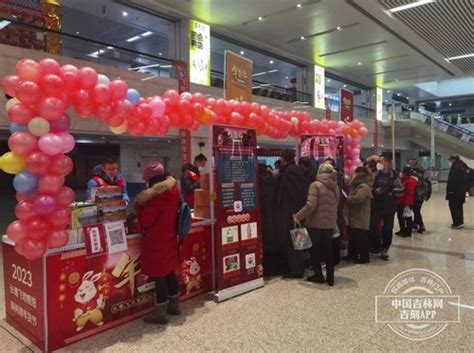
{"type": "Point", "coordinates": [456, 190]}
{"type": "Point", "coordinates": [190, 178]}
{"type": "Point", "coordinates": [309, 171]}
{"type": "Point", "coordinates": [290, 198]}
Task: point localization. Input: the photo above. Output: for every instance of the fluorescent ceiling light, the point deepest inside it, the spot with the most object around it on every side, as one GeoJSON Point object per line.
{"type": "Point", "coordinates": [461, 57]}
{"type": "Point", "coordinates": [411, 5]}
{"type": "Point", "coordinates": [146, 34]}
{"type": "Point", "coordinates": [4, 23]}
{"type": "Point", "coordinates": [96, 53]}
{"type": "Point", "coordinates": [132, 39]}
{"type": "Point", "coordinates": [272, 71]}
{"type": "Point", "coordinates": [264, 73]}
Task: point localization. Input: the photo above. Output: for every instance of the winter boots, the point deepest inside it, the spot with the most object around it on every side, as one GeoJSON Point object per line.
{"type": "Point", "coordinates": [159, 316]}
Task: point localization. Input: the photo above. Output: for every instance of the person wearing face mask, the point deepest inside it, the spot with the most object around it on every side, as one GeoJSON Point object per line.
{"type": "Point", "coordinates": [190, 178]}
{"type": "Point", "coordinates": [106, 174]}
{"type": "Point", "coordinates": [387, 186]}
{"type": "Point", "coordinates": [456, 190]}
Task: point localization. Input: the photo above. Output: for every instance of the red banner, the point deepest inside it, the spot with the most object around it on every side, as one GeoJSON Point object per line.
{"type": "Point", "coordinates": [328, 109]}
{"type": "Point", "coordinates": [238, 237]}
{"type": "Point", "coordinates": [346, 105]}
{"type": "Point", "coordinates": [184, 86]}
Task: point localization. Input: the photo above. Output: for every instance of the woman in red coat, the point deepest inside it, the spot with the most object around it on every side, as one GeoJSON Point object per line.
{"type": "Point", "coordinates": [157, 211]}
{"type": "Point", "coordinates": [407, 200]}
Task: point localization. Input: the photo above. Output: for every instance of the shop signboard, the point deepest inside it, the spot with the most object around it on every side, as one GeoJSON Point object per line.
{"type": "Point", "coordinates": [238, 241]}
{"type": "Point", "coordinates": [238, 77]}
{"type": "Point", "coordinates": [319, 88]}
{"type": "Point", "coordinates": [199, 53]}
{"type": "Point", "coordinates": [346, 110]}
{"type": "Point", "coordinates": [379, 103]}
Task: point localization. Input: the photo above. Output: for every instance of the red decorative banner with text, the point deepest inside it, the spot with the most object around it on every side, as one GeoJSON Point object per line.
{"type": "Point", "coordinates": [346, 110]}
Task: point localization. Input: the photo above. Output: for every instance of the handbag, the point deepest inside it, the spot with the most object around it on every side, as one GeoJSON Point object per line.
{"type": "Point", "coordinates": [407, 212]}
{"type": "Point", "coordinates": [300, 239]}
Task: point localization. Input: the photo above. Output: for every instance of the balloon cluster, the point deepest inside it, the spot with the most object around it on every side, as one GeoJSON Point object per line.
{"type": "Point", "coordinates": [40, 139]}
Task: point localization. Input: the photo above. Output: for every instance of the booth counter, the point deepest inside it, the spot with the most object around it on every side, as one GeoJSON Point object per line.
{"type": "Point", "coordinates": [69, 295]}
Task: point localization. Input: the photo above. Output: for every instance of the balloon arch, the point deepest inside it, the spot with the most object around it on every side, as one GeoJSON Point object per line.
{"type": "Point", "coordinates": [40, 135]}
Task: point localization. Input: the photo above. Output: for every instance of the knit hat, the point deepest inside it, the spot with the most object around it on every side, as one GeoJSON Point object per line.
{"type": "Point", "coordinates": [153, 169]}
{"type": "Point", "coordinates": [326, 168]}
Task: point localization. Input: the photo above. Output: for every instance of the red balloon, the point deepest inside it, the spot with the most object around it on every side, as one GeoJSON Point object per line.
{"type": "Point", "coordinates": [50, 184]}
{"type": "Point", "coordinates": [9, 84]}
{"type": "Point", "coordinates": [175, 119]}
{"type": "Point", "coordinates": [255, 107]}
{"type": "Point", "coordinates": [49, 66]}
{"type": "Point", "coordinates": [172, 95]}
{"type": "Point", "coordinates": [22, 143]}
{"type": "Point", "coordinates": [28, 92]}
{"type": "Point", "coordinates": [51, 108]}
{"type": "Point", "coordinates": [137, 129]}
{"type": "Point", "coordinates": [116, 120]}
{"type": "Point", "coordinates": [197, 110]}
{"type": "Point", "coordinates": [34, 249]}
{"type": "Point", "coordinates": [87, 78]}
{"type": "Point", "coordinates": [19, 247]}
{"type": "Point", "coordinates": [52, 85]}
{"type": "Point", "coordinates": [103, 112]}
{"type": "Point", "coordinates": [237, 119]}
{"type": "Point", "coordinates": [68, 68]}
{"type": "Point", "coordinates": [195, 126]}
{"type": "Point", "coordinates": [184, 107]}
{"type": "Point", "coordinates": [84, 111]}
{"type": "Point", "coordinates": [199, 98]}
{"type": "Point", "coordinates": [58, 238]}
{"type": "Point", "coordinates": [25, 210]}
{"type": "Point", "coordinates": [70, 78]}
{"type": "Point", "coordinates": [20, 114]}
{"type": "Point", "coordinates": [60, 218]}
{"type": "Point", "coordinates": [122, 109]}
{"type": "Point", "coordinates": [25, 197]}
{"type": "Point", "coordinates": [118, 90]}
{"type": "Point", "coordinates": [144, 110]}
{"type": "Point", "coordinates": [17, 231]}
{"type": "Point", "coordinates": [61, 165]}
{"type": "Point", "coordinates": [101, 93]}
{"type": "Point", "coordinates": [221, 106]}
{"type": "Point", "coordinates": [211, 102]}
{"type": "Point", "coordinates": [81, 97]}
{"type": "Point", "coordinates": [65, 196]}
{"type": "Point", "coordinates": [37, 228]}
{"type": "Point", "coordinates": [45, 205]}
{"type": "Point", "coordinates": [28, 70]}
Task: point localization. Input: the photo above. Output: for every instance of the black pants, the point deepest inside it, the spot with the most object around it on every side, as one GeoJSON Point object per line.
{"type": "Point", "coordinates": [322, 251]}
{"type": "Point", "coordinates": [381, 241]}
{"type": "Point", "coordinates": [457, 213]}
{"type": "Point", "coordinates": [359, 244]}
{"type": "Point", "coordinates": [271, 263]}
{"type": "Point", "coordinates": [166, 287]}
{"type": "Point", "coordinates": [418, 217]}
{"type": "Point", "coordinates": [336, 249]}
{"type": "Point", "coordinates": [406, 223]}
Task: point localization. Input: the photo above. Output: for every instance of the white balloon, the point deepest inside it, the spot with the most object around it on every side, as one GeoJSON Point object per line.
{"type": "Point", "coordinates": [103, 79]}
{"type": "Point", "coordinates": [186, 96]}
{"type": "Point", "coordinates": [11, 103]}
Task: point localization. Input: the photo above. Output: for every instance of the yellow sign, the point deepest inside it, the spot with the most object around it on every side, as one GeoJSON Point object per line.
{"type": "Point", "coordinates": [319, 87]}
{"type": "Point", "coordinates": [199, 53]}
{"type": "Point", "coordinates": [379, 103]}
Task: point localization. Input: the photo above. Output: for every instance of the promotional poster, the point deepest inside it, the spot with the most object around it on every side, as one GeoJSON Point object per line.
{"type": "Point", "coordinates": [347, 105]}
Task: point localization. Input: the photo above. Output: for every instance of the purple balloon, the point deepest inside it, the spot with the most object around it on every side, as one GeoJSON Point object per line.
{"type": "Point", "coordinates": [45, 205]}
{"type": "Point", "coordinates": [51, 144]}
{"type": "Point", "coordinates": [62, 124]}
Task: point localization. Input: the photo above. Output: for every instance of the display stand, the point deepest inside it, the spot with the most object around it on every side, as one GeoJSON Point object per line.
{"type": "Point", "coordinates": [67, 296]}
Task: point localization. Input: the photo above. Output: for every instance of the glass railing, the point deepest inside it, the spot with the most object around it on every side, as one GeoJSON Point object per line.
{"type": "Point", "coordinates": [457, 131]}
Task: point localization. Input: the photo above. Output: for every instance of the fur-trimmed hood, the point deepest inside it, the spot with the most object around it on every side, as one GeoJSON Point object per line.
{"type": "Point", "coordinates": [159, 188]}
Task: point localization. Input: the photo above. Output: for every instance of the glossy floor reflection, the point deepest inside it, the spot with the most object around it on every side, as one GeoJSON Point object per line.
{"type": "Point", "coordinates": [291, 315]}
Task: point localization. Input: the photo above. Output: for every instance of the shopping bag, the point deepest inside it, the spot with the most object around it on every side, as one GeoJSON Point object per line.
{"type": "Point", "coordinates": [407, 212]}
{"type": "Point", "coordinates": [300, 238]}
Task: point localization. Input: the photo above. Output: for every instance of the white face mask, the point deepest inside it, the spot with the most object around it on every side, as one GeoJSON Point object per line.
{"type": "Point", "coordinates": [450, 164]}
{"type": "Point", "coordinates": [379, 167]}
{"type": "Point", "coordinates": [201, 169]}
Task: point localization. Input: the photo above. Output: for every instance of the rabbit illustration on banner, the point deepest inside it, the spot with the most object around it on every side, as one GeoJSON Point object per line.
{"type": "Point", "coordinates": [191, 274]}
{"type": "Point", "coordinates": [91, 302]}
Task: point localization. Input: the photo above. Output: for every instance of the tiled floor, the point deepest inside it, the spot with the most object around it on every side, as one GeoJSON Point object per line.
{"type": "Point", "coordinates": [291, 315]}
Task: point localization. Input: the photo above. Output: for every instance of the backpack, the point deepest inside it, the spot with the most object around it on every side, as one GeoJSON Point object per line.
{"type": "Point", "coordinates": [184, 220]}
{"type": "Point", "coordinates": [421, 190]}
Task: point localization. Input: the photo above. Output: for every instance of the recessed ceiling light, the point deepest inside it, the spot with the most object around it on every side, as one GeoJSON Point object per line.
{"type": "Point", "coordinates": [339, 28]}
{"type": "Point", "coordinates": [345, 86]}
{"type": "Point", "coordinates": [124, 13]}
{"type": "Point", "coordinates": [386, 100]}
{"type": "Point", "coordinates": [271, 61]}
{"type": "Point", "coordinates": [388, 91]}
{"type": "Point", "coordinates": [160, 53]}
{"type": "Point", "coordinates": [242, 52]}
{"type": "Point", "coordinates": [359, 63]}
{"type": "Point", "coordinates": [260, 18]}
{"type": "Point", "coordinates": [78, 32]}
{"type": "Point", "coordinates": [146, 34]}
{"type": "Point", "coordinates": [450, 104]}
{"type": "Point", "coordinates": [411, 5]}
{"type": "Point", "coordinates": [461, 57]}
{"type": "Point", "coordinates": [302, 38]}
{"type": "Point", "coordinates": [299, 6]}
{"type": "Point", "coordinates": [399, 94]}
{"type": "Point", "coordinates": [286, 78]}
{"type": "Point", "coordinates": [329, 80]}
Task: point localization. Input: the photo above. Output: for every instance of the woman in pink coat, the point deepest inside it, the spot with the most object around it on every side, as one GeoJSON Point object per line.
{"type": "Point", "coordinates": [157, 211]}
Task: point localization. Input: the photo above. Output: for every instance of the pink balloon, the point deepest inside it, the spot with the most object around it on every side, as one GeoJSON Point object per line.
{"type": "Point", "coordinates": [157, 107]}
{"type": "Point", "coordinates": [65, 196]}
{"type": "Point", "coordinates": [9, 84]}
{"type": "Point", "coordinates": [87, 78]}
{"type": "Point", "coordinates": [61, 124]}
{"type": "Point", "coordinates": [16, 231]}
{"type": "Point", "coordinates": [101, 93]}
{"type": "Point", "coordinates": [20, 114]}
{"type": "Point", "coordinates": [34, 249]}
{"type": "Point", "coordinates": [364, 132]}
{"type": "Point", "coordinates": [118, 90]}
{"type": "Point", "coordinates": [58, 238]}
{"type": "Point", "coordinates": [50, 184]}
{"type": "Point", "coordinates": [37, 163]}
{"type": "Point", "coordinates": [25, 210]}
{"type": "Point", "coordinates": [51, 108]}
{"type": "Point", "coordinates": [49, 66]}
{"type": "Point", "coordinates": [28, 92]}
{"type": "Point", "coordinates": [22, 143]}
{"type": "Point", "coordinates": [45, 205]}
{"type": "Point", "coordinates": [51, 144]}
{"type": "Point", "coordinates": [61, 217]}
{"type": "Point", "coordinates": [68, 142]}
{"type": "Point", "coordinates": [28, 70]}
{"type": "Point", "coordinates": [61, 165]}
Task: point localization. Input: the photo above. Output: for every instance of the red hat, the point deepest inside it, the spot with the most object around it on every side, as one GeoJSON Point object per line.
{"type": "Point", "coordinates": [153, 169]}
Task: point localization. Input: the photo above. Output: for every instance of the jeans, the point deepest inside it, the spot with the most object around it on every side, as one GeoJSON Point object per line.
{"type": "Point", "coordinates": [457, 213]}
{"type": "Point", "coordinates": [381, 241]}
{"type": "Point", "coordinates": [322, 251]}
{"type": "Point", "coordinates": [166, 287]}
{"type": "Point", "coordinates": [418, 217]}
{"type": "Point", "coordinates": [359, 244]}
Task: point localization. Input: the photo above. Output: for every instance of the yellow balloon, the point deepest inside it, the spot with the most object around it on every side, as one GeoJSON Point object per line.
{"type": "Point", "coordinates": [12, 163]}
{"type": "Point", "coordinates": [294, 120]}
{"type": "Point", "coordinates": [11, 103]}
{"type": "Point", "coordinates": [118, 130]}
{"type": "Point", "coordinates": [38, 126]}
{"type": "Point", "coordinates": [205, 118]}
